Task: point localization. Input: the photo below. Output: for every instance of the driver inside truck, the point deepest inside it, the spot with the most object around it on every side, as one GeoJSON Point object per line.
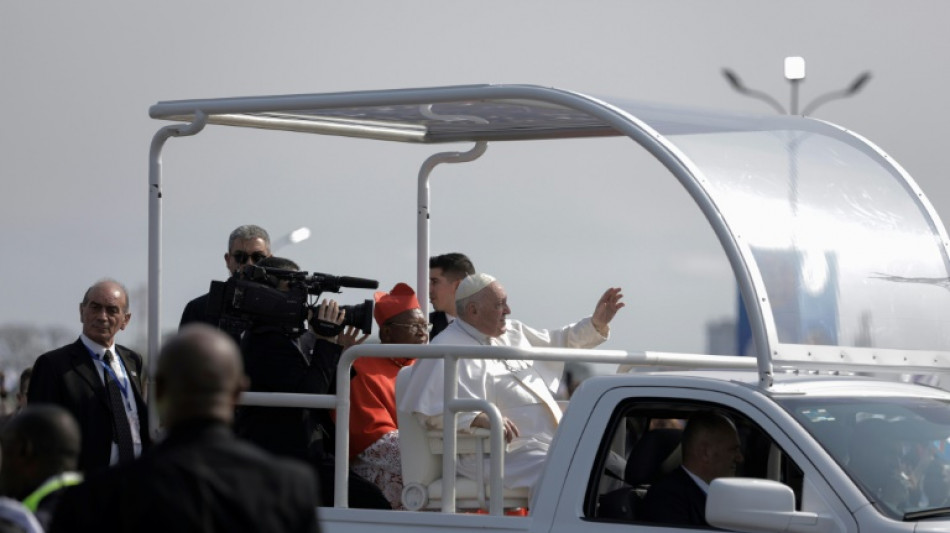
{"type": "Point", "coordinates": [711, 449]}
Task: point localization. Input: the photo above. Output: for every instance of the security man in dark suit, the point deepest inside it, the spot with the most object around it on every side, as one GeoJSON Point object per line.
{"type": "Point", "coordinates": [201, 478]}
{"type": "Point", "coordinates": [710, 450]}
{"type": "Point", "coordinates": [98, 381]}
{"type": "Point", "coordinates": [446, 271]}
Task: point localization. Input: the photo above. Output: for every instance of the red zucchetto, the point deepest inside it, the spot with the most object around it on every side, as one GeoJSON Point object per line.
{"type": "Point", "coordinates": [389, 304]}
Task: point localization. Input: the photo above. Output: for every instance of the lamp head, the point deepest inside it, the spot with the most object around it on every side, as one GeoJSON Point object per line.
{"type": "Point", "coordinates": [733, 80]}
{"type": "Point", "coordinates": [794, 68]}
{"type": "Point", "coordinates": [859, 82]}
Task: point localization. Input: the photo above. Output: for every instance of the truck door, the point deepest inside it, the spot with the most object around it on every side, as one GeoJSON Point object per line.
{"type": "Point", "coordinates": [634, 439]}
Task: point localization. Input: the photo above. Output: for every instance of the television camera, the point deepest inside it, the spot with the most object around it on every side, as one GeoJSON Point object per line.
{"type": "Point", "coordinates": [257, 296]}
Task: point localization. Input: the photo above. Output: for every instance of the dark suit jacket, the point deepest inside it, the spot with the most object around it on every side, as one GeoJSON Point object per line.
{"type": "Point", "coordinates": [68, 377]}
{"type": "Point", "coordinates": [675, 499]}
{"type": "Point", "coordinates": [200, 479]}
{"type": "Point", "coordinates": [439, 322]}
{"type": "Point", "coordinates": [274, 363]}
{"type": "Point", "coordinates": [196, 311]}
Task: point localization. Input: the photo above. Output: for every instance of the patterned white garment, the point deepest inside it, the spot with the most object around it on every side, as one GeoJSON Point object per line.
{"type": "Point", "coordinates": [381, 464]}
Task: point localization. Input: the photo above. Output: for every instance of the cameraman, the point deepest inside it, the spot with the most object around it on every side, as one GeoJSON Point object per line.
{"type": "Point", "coordinates": [247, 244]}
{"type": "Point", "coordinates": [275, 362]}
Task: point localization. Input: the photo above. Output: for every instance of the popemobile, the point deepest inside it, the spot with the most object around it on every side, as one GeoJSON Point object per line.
{"type": "Point", "coordinates": [842, 267]}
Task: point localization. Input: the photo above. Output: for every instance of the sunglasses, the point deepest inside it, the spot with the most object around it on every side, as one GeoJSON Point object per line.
{"type": "Point", "coordinates": [417, 328]}
{"type": "Point", "coordinates": [242, 257]}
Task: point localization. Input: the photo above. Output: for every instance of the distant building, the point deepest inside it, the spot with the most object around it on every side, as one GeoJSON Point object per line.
{"type": "Point", "coordinates": [721, 337]}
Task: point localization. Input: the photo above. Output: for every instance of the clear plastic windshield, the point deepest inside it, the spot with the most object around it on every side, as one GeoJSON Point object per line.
{"type": "Point", "coordinates": [897, 450]}
{"type": "Point", "coordinates": [846, 251]}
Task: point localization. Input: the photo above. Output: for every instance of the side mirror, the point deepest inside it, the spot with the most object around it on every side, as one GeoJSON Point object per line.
{"type": "Point", "coordinates": [754, 506]}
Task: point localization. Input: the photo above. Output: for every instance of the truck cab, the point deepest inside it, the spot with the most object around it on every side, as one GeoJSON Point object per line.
{"type": "Point", "coordinates": [821, 453]}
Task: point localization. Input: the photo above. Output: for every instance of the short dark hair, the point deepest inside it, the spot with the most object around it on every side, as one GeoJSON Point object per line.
{"type": "Point", "coordinates": [704, 423]}
{"type": "Point", "coordinates": [278, 262]}
{"type": "Point", "coordinates": [248, 232]}
{"type": "Point", "coordinates": [52, 432]}
{"type": "Point", "coordinates": [453, 265]}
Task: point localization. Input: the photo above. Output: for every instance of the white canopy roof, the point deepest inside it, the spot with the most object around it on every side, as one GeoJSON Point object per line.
{"type": "Point", "coordinates": [839, 256]}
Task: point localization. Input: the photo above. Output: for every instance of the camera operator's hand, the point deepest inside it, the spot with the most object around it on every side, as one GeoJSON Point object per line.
{"type": "Point", "coordinates": [350, 337]}
{"type": "Point", "coordinates": [328, 314]}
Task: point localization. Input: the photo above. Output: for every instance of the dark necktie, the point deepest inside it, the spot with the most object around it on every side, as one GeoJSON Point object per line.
{"type": "Point", "coordinates": [120, 421]}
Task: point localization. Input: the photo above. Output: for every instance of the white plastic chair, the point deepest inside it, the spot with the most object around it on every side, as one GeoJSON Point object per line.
{"type": "Point", "coordinates": [421, 452]}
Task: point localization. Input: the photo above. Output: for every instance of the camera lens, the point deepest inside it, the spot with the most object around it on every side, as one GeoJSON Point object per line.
{"type": "Point", "coordinates": [360, 316]}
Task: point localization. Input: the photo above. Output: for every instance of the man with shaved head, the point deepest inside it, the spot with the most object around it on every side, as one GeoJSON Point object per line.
{"type": "Point", "coordinates": [40, 447]}
{"type": "Point", "coordinates": [98, 381]}
{"type": "Point", "coordinates": [201, 477]}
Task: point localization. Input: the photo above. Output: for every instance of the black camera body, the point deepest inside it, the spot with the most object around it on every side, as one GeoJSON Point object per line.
{"type": "Point", "coordinates": [258, 296]}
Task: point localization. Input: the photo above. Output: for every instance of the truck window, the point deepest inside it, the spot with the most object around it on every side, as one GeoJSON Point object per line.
{"type": "Point", "coordinates": [643, 443]}
{"type": "Point", "coordinates": [896, 449]}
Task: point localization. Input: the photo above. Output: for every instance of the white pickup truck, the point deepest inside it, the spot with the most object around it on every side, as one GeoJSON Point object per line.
{"type": "Point", "coordinates": [842, 265]}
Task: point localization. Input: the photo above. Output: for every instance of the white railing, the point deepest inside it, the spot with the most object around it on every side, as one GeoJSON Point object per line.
{"type": "Point", "coordinates": [451, 355]}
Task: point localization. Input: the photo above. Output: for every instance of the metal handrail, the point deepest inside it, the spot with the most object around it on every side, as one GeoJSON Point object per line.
{"type": "Point", "coordinates": [341, 401]}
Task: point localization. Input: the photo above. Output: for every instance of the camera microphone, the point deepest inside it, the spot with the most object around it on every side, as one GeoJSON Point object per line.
{"type": "Point", "coordinates": [358, 283]}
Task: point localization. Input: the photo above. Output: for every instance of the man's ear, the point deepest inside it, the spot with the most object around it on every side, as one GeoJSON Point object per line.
{"type": "Point", "coordinates": [243, 384]}
{"type": "Point", "coordinates": [705, 450]}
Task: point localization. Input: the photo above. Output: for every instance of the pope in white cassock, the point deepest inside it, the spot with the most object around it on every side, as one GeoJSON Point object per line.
{"type": "Point", "coordinates": [522, 390]}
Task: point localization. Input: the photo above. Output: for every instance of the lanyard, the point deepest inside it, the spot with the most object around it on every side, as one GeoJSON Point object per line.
{"type": "Point", "coordinates": [122, 383]}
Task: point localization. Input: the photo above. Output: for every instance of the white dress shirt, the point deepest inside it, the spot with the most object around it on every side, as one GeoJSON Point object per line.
{"type": "Point", "coordinates": [96, 351]}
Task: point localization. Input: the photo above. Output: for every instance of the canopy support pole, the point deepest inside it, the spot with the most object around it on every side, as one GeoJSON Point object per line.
{"type": "Point", "coordinates": [155, 245]}
{"type": "Point", "coordinates": [422, 204]}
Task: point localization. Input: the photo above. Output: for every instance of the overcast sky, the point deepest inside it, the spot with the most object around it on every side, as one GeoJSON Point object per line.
{"type": "Point", "coordinates": [557, 222]}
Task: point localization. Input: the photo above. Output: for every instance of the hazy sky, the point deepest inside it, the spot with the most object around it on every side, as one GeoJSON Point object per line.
{"type": "Point", "coordinates": [557, 222]}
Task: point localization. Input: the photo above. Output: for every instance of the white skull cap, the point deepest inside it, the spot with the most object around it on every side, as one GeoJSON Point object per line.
{"type": "Point", "coordinates": [472, 284]}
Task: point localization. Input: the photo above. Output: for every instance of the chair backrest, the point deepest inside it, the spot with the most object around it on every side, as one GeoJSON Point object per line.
{"type": "Point", "coordinates": [419, 464]}
{"type": "Point", "coordinates": [656, 453]}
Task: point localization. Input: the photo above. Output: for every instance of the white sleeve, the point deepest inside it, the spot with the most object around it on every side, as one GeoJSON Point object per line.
{"type": "Point", "coordinates": [581, 334]}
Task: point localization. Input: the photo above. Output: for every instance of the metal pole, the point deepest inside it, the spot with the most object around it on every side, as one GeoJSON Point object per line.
{"type": "Point", "coordinates": [155, 246]}
{"type": "Point", "coordinates": [422, 213]}
{"type": "Point", "coordinates": [422, 208]}
{"type": "Point", "coordinates": [793, 106]}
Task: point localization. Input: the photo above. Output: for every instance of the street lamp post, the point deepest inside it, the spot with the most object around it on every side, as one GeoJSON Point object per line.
{"type": "Point", "coordinates": [795, 74]}
{"type": "Point", "coordinates": [855, 86]}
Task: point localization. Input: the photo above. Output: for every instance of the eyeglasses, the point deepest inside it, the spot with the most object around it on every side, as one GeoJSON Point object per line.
{"type": "Point", "coordinates": [415, 326]}
{"type": "Point", "coordinates": [242, 257]}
